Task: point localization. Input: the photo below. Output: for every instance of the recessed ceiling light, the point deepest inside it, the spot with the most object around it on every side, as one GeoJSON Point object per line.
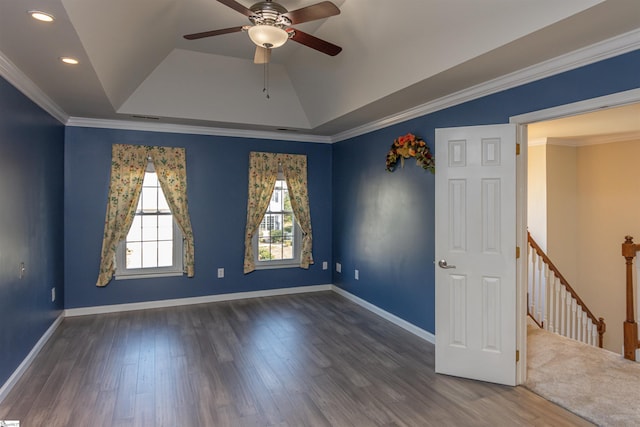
{"type": "Point", "coordinates": [68, 60]}
{"type": "Point", "coordinates": [41, 16]}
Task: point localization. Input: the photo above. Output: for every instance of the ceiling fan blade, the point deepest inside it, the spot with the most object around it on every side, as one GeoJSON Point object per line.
{"type": "Point", "coordinates": [204, 34]}
{"type": "Point", "coordinates": [315, 43]}
{"type": "Point", "coordinates": [311, 13]}
{"type": "Point", "coordinates": [262, 55]}
{"type": "Point", "coordinates": [236, 6]}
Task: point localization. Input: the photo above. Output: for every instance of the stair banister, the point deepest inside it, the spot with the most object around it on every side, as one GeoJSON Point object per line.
{"type": "Point", "coordinates": [598, 322]}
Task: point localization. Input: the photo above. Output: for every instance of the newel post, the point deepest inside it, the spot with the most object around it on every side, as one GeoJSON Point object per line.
{"type": "Point", "coordinates": [629, 250]}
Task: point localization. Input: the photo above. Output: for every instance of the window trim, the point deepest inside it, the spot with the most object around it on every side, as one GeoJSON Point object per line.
{"type": "Point", "coordinates": [177, 269]}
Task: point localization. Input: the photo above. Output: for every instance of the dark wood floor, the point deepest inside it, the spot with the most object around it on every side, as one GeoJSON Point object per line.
{"type": "Point", "coordinates": [303, 360]}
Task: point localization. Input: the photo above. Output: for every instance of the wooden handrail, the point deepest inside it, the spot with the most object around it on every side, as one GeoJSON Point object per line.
{"type": "Point", "coordinates": [598, 321]}
{"type": "Point", "coordinates": [630, 327]}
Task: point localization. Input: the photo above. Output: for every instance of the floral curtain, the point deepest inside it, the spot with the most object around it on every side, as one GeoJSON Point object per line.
{"type": "Point", "coordinates": [294, 167]}
{"type": "Point", "coordinates": [128, 165]}
{"type": "Point", "coordinates": [263, 172]}
{"type": "Point", "coordinates": [170, 165]}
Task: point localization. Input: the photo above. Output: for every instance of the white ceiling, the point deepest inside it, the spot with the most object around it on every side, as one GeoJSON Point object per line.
{"type": "Point", "coordinates": [396, 55]}
{"type": "Point", "coordinates": [598, 127]}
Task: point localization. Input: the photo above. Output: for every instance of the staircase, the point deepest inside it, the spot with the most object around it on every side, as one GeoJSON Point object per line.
{"type": "Point", "coordinates": [554, 305]}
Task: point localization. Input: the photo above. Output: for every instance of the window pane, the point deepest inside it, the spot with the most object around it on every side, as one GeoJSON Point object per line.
{"type": "Point", "coordinates": [135, 232]}
{"type": "Point", "coordinates": [150, 179]}
{"type": "Point", "coordinates": [165, 227]}
{"type": "Point", "coordinates": [133, 255]}
{"type": "Point", "coordinates": [149, 199]}
{"type": "Point", "coordinates": [149, 227]}
{"type": "Point", "coordinates": [149, 254]}
{"type": "Point", "coordinates": [286, 201]}
{"type": "Point", "coordinates": [287, 251]}
{"type": "Point", "coordinates": [165, 254]}
{"type": "Point", "coordinates": [163, 206]}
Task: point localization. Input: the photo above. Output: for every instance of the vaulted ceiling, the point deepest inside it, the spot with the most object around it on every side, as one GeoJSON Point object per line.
{"type": "Point", "coordinates": [135, 64]}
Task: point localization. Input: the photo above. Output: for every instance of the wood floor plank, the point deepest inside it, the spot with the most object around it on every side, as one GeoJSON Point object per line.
{"type": "Point", "coordinates": [291, 361]}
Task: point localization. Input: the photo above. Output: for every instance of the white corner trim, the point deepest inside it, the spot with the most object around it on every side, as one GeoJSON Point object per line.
{"type": "Point", "coordinates": [115, 308]}
{"type": "Point", "coordinates": [588, 55]}
{"type": "Point", "coordinates": [21, 369]}
{"type": "Point", "coordinates": [24, 84]}
{"type": "Point", "coordinates": [410, 327]}
{"type": "Point", "coordinates": [194, 130]}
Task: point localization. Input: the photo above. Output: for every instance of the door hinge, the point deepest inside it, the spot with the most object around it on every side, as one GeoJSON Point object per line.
{"type": "Point", "coordinates": [517, 252]}
{"type": "Point", "coordinates": [517, 149]}
{"type": "Point", "coordinates": [517, 355]}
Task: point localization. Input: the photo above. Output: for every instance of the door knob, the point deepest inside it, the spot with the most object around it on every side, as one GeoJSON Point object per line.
{"type": "Point", "coordinates": [443, 264]}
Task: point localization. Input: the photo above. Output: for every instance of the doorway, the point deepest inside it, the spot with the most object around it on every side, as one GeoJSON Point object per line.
{"type": "Point", "coordinates": [524, 121]}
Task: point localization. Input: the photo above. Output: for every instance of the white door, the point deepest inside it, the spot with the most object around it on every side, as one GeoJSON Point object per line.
{"type": "Point", "coordinates": [476, 252]}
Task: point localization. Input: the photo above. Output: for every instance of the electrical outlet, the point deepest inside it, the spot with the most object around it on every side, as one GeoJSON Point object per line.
{"type": "Point", "coordinates": [220, 273]}
{"type": "Point", "coordinates": [325, 265]}
{"type": "Point", "coordinates": [338, 267]}
{"type": "Point", "coordinates": [357, 275]}
{"type": "Point", "coordinates": [53, 294]}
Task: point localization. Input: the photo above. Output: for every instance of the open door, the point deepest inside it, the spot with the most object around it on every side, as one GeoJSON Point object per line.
{"type": "Point", "coordinates": [476, 252]}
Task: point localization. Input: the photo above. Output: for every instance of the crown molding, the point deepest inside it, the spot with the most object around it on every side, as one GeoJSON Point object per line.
{"type": "Point", "coordinates": [195, 130]}
{"type": "Point", "coordinates": [587, 140]}
{"type": "Point", "coordinates": [24, 84]}
{"type": "Point", "coordinates": [610, 48]}
{"type": "Point", "coordinates": [595, 139]}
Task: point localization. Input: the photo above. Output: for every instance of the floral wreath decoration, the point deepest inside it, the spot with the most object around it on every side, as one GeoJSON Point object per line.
{"type": "Point", "coordinates": [407, 146]}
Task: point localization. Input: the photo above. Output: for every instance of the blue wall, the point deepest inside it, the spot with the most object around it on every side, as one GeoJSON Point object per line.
{"type": "Point", "coordinates": [54, 181]}
{"type": "Point", "coordinates": [217, 170]}
{"type": "Point", "coordinates": [383, 223]}
{"type": "Point", "coordinates": [31, 186]}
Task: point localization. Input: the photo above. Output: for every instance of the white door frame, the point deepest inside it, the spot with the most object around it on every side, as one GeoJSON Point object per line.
{"type": "Point", "coordinates": [615, 100]}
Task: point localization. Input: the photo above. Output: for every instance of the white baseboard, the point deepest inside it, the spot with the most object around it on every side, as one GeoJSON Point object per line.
{"type": "Point", "coordinates": [410, 327]}
{"type": "Point", "coordinates": [84, 311]}
{"type": "Point", "coordinates": [20, 370]}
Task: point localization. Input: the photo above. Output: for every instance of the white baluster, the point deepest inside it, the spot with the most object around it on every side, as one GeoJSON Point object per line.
{"type": "Point", "coordinates": [558, 305]}
{"type": "Point", "coordinates": [589, 330]}
{"type": "Point", "coordinates": [539, 298]}
{"type": "Point", "coordinates": [534, 283]}
{"type": "Point", "coordinates": [579, 323]}
{"type": "Point", "coordinates": [532, 287]}
{"type": "Point", "coordinates": [573, 319]}
{"type": "Point", "coordinates": [551, 310]}
{"type": "Point", "coordinates": [547, 286]}
{"type": "Point", "coordinates": [584, 337]}
{"type": "Point", "coordinates": [563, 311]}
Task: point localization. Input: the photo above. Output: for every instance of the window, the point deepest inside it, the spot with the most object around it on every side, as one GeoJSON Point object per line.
{"type": "Point", "coordinates": [277, 242]}
{"type": "Point", "coordinates": [153, 246]}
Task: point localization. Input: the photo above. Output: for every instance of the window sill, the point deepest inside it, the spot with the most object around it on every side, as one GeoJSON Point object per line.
{"type": "Point", "coordinates": [274, 266]}
{"type": "Point", "coordinates": [148, 275]}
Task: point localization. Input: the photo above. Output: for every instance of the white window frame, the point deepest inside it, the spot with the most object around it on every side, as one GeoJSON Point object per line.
{"type": "Point", "coordinates": [297, 245]}
{"type": "Point", "coordinates": [177, 269]}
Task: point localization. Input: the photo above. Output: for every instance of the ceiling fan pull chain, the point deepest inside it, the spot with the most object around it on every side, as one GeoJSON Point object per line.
{"type": "Point", "coordinates": [265, 82]}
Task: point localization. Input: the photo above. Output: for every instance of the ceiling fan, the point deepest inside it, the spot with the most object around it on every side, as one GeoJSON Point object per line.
{"type": "Point", "coordinates": [272, 26]}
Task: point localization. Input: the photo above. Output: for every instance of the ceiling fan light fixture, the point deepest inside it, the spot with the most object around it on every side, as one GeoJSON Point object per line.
{"type": "Point", "coordinates": [268, 36]}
